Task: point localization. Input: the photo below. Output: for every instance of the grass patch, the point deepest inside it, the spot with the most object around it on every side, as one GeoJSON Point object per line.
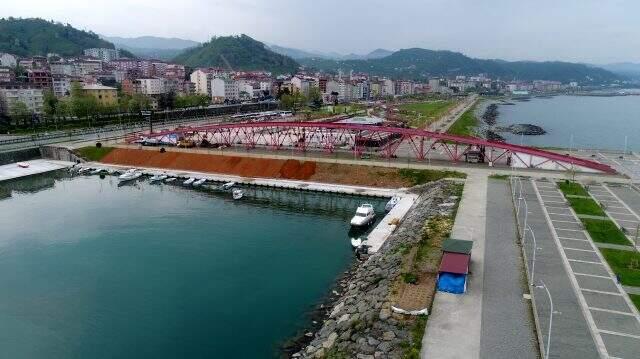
{"type": "Point", "coordinates": [92, 153]}
{"type": "Point", "coordinates": [417, 177]}
{"type": "Point", "coordinates": [573, 189]}
{"type": "Point", "coordinates": [421, 114]}
{"type": "Point", "coordinates": [465, 124]}
{"type": "Point", "coordinates": [412, 350]}
{"type": "Point", "coordinates": [626, 264]}
{"type": "Point", "coordinates": [635, 298]}
{"type": "Point", "coordinates": [499, 177]}
{"type": "Point", "coordinates": [586, 206]}
{"type": "Point", "coordinates": [605, 231]}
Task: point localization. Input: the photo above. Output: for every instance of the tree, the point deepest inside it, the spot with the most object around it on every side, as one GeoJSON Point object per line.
{"type": "Point", "coordinates": [315, 98]}
{"type": "Point", "coordinates": [19, 111]}
{"type": "Point", "coordinates": [50, 103]}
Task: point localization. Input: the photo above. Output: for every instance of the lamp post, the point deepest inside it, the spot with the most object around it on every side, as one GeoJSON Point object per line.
{"type": "Point", "coordinates": [533, 257]}
{"type": "Point", "coordinates": [551, 312]}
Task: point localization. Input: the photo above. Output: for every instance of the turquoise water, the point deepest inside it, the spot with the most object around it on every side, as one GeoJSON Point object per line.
{"type": "Point", "coordinates": [92, 270]}
{"type": "Point", "coordinates": [594, 122]}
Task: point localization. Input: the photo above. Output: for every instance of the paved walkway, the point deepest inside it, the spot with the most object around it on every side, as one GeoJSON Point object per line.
{"type": "Point", "coordinates": [12, 170]}
{"type": "Point", "coordinates": [612, 319]}
{"type": "Point", "coordinates": [454, 327]}
{"type": "Point", "coordinates": [508, 329]}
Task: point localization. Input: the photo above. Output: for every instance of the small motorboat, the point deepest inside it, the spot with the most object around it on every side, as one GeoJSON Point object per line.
{"type": "Point", "coordinates": [157, 178]}
{"type": "Point", "coordinates": [228, 185]}
{"type": "Point", "coordinates": [199, 182]}
{"type": "Point", "coordinates": [128, 176]}
{"type": "Point", "coordinates": [356, 242]}
{"type": "Point", "coordinates": [170, 179]}
{"type": "Point", "coordinates": [96, 171]}
{"type": "Point", "coordinates": [237, 193]}
{"type": "Point", "coordinates": [189, 182]}
{"type": "Point", "coordinates": [392, 203]}
{"type": "Point", "coordinates": [84, 170]}
{"type": "Point", "coordinates": [23, 164]}
{"type": "Point", "coordinates": [364, 215]}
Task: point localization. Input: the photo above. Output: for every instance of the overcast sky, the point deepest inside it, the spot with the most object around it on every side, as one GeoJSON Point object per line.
{"type": "Point", "coordinates": [597, 31]}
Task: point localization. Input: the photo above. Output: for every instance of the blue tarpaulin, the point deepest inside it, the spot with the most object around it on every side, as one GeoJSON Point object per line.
{"type": "Point", "coordinates": [452, 283]}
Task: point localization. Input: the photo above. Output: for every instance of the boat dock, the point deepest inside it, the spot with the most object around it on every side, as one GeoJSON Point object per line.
{"type": "Point", "coordinates": [376, 238]}
{"type": "Point", "coordinates": [12, 170]}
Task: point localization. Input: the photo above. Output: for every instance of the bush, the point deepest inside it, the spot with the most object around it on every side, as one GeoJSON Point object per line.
{"type": "Point", "coordinates": [410, 278]}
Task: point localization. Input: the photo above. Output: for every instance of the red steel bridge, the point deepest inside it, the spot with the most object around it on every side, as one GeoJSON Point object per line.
{"type": "Point", "coordinates": [386, 142]}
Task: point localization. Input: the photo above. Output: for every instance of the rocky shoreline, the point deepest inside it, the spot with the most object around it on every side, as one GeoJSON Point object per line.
{"type": "Point", "coordinates": [491, 131]}
{"type": "Point", "coordinates": [357, 320]}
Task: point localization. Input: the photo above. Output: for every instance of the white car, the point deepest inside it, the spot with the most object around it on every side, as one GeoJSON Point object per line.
{"type": "Point", "coordinates": [364, 215]}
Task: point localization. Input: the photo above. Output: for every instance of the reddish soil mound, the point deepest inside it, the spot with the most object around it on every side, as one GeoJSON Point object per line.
{"type": "Point", "coordinates": [241, 166]}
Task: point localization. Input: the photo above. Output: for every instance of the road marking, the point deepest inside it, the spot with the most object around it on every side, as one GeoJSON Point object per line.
{"type": "Point", "coordinates": [619, 334]}
{"type": "Point", "coordinates": [621, 213]}
{"type": "Point", "coordinates": [600, 292]}
{"type": "Point", "coordinates": [574, 239]}
{"type": "Point", "coordinates": [570, 230]}
{"type": "Point", "coordinates": [592, 275]}
{"type": "Point", "coordinates": [545, 202]}
{"type": "Point", "coordinates": [561, 221]}
{"type": "Point", "coordinates": [611, 311]}
{"type": "Point", "coordinates": [576, 249]}
{"type": "Point", "coordinates": [560, 214]}
{"type": "Point", "coordinates": [581, 261]}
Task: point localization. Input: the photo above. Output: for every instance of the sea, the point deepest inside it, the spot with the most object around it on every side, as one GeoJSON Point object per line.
{"type": "Point", "coordinates": [578, 122]}
{"type": "Point", "coordinates": [91, 269]}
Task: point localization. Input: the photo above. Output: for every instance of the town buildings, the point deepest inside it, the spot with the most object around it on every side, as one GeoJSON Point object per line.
{"type": "Point", "coordinates": [103, 54]}
{"type": "Point", "coordinates": [106, 96]}
{"type": "Point", "coordinates": [14, 92]}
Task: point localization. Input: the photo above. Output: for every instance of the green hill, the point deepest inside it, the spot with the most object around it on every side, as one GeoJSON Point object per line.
{"type": "Point", "coordinates": [30, 37]}
{"type": "Point", "coordinates": [241, 53]}
{"type": "Point", "coordinates": [421, 63]}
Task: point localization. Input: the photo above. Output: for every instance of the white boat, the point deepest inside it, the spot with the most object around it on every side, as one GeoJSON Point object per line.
{"type": "Point", "coordinates": [364, 215]}
{"type": "Point", "coordinates": [199, 182]}
{"type": "Point", "coordinates": [356, 242]}
{"type": "Point", "coordinates": [170, 179]}
{"type": "Point", "coordinates": [84, 170]}
{"type": "Point", "coordinates": [228, 185]}
{"type": "Point", "coordinates": [189, 181]}
{"type": "Point", "coordinates": [237, 193]}
{"type": "Point", "coordinates": [157, 178]}
{"type": "Point", "coordinates": [128, 176]}
{"type": "Point", "coordinates": [96, 171]}
{"type": "Point", "coordinates": [392, 203]}
{"type": "Point", "coordinates": [23, 165]}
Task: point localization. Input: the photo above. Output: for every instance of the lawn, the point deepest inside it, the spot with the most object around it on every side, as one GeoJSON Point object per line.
{"type": "Point", "coordinates": [605, 231]}
{"type": "Point", "coordinates": [417, 177]}
{"type": "Point", "coordinates": [421, 114]}
{"type": "Point", "coordinates": [625, 264]}
{"type": "Point", "coordinates": [573, 189]}
{"type": "Point", "coordinates": [92, 153]}
{"type": "Point", "coordinates": [586, 206]}
{"type": "Point", "coordinates": [635, 298]}
{"type": "Point", "coordinates": [465, 124]}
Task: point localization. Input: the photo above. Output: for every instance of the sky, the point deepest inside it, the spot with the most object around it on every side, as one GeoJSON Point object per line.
{"type": "Point", "coordinates": [569, 30]}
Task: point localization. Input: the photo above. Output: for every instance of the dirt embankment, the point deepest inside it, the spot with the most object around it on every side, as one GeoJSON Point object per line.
{"type": "Point", "coordinates": [260, 167]}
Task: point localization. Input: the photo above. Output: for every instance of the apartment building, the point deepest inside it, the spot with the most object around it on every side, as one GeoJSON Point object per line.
{"type": "Point", "coordinates": [8, 60]}
{"type": "Point", "coordinates": [62, 85]}
{"type": "Point", "coordinates": [224, 89]}
{"type": "Point", "coordinates": [40, 78]}
{"type": "Point", "coordinates": [103, 54]}
{"type": "Point", "coordinates": [6, 74]}
{"type": "Point", "coordinates": [30, 95]}
{"type": "Point", "coordinates": [202, 79]}
{"type": "Point", "coordinates": [152, 86]}
{"type": "Point", "coordinates": [105, 95]}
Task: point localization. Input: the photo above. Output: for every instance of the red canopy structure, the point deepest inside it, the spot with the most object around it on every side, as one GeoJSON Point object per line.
{"type": "Point", "coordinates": [455, 263]}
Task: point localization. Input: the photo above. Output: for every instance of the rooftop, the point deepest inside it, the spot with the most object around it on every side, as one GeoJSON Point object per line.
{"type": "Point", "coordinates": [97, 87]}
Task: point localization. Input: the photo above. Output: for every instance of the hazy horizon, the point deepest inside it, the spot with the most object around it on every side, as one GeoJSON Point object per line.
{"type": "Point", "coordinates": [575, 31]}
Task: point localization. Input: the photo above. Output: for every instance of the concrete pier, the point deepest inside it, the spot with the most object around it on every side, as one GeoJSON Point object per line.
{"type": "Point", "coordinates": [12, 170]}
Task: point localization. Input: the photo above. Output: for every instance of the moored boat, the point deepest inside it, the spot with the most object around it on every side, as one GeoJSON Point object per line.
{"type": "Point", "coordinates": [364, 215]}
{"type": "Point", "coordinates": [189, 181]}
{"type": "Point", "coordinates": [23, 164]}
{"type": "Point", "coordinates": [237, 193]}
{"type": "Point", "coordinates": [128, 176]}
{"type": "Point", "coordinates": [392, 203]}
{"type": "Point", "coordinates": [170, 179]}
{"type": "Point", "coordinates": [199, 182]}
{"type": "Point", "coordinates": [228, 185]}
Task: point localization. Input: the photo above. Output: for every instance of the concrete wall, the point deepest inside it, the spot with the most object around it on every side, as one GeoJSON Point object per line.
{"type": "Point", "coordinates": [19, 155]}
{"type": "Point", "coordinates": [59, 153]}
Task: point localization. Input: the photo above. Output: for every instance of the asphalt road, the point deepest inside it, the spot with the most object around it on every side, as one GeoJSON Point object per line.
{"type": "Point", "coordinates": [508, 329]}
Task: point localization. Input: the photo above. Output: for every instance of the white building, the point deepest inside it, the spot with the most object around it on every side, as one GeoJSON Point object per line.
{"type": "Point", "coordinates": [8, 60]}
{"type": "Point", "coordinates": [29, 95]}
{"type": "Point", "coordinates": [201, 78]}
{"type": "Point", "coordinates": [388, 88]}
{"type": "Point", "coordinates": [152, 86]}
{"type": "Point", "coordinates": [303, 84]}
{"type": "Point", "coordinates": [224, 89]}
{"type": "Point", "coordinates": [103, 54]}
{"type": "Point", "coordinates": [61, 85]}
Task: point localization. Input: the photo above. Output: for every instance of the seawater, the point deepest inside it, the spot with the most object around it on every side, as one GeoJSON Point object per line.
{"type": "Point", "coordinates": [89, 269]}
{"type": "Point", "coordinates": [593, 122]}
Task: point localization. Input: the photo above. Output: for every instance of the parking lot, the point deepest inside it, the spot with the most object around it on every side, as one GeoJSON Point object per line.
{"type": "Point", "coordinates": [610, 315]}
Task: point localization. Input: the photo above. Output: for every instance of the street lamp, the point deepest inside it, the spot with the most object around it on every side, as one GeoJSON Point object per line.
{"type": "Point", "coordinates": [551, 312]}
{"type": "Point", "coordinates": [535, 249]}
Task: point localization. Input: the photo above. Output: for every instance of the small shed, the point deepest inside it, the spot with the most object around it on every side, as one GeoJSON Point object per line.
{"type": "Point", "coordinates": [454, 267]}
